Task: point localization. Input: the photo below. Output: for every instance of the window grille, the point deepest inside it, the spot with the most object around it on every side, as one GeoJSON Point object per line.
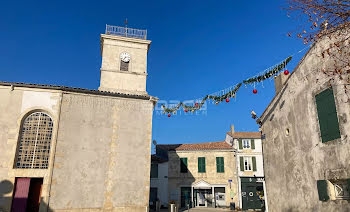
{"type": "Point", "coordinates": [34, 144]}
{"type": "Point", "coordinates": [124, 66]}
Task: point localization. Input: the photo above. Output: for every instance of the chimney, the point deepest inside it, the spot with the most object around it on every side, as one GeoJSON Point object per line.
{"type": "Point", "coordinates": [232, 129]}
{"type": "Point", "coordinates": [280, 79]}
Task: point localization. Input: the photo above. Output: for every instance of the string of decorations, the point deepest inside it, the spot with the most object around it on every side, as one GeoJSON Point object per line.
{"type": "Point", "coordinates": [230, 93]}
{"type": "Point", "coordinates": [270, 73]}
{"type": "Point", "coordinates": [197, 106]}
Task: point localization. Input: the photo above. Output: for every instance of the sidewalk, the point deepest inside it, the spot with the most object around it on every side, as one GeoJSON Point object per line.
{"type": "Point", "coordinates": [199, 210]}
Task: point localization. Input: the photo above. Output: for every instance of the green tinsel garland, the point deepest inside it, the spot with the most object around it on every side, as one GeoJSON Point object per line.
{"type": "Point", "coordinates": [269, 74]}
{"type": "Point", "coordinates": [199, 105]}
{"type": "Point", "coordinates": [229, 94]}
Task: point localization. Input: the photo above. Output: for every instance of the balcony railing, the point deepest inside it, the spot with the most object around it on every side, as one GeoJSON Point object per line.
{"type": "Point", "coordinates": [126, 32]}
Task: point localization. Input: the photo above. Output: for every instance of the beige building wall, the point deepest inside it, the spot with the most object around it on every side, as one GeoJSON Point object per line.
{"type": "Point", "coordinates": [16, 103]}
{"type": "Point", "coordinates": [103, 156]}
{"type": "Point", "coordinates": [178, 179]}
{"type": "Point", "coordinates": [100, 150]}
{"type": "Point", "coordinates": [113, 79]}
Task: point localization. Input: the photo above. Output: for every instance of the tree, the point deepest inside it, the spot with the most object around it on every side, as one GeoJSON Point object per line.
{"type": "Point", "coordinates": [321, 19]}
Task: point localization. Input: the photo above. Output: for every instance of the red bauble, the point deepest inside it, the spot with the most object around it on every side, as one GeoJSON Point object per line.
{"type": "Point", "coordinates": [169, 115]}
{"type": "Point", "coordinates": [196, 104]}
{"type": "Point", "coordinates": [255, 91]}
{"type": "Point", "coordinates": [227, 100]}
{"type": "Point", "coordinates": [185, 110]}
{"type": "Point", "coordinates": [286, 72]}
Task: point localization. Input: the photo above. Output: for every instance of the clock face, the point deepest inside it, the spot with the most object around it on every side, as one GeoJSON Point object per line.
{"type": "Point", "coordinates": [125, 57]}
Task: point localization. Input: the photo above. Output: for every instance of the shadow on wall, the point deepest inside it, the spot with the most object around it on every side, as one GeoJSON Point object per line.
{"type": "Point", "coordinates": [181, 180]}
{"type": "Point", "coordinates": [18, 204]}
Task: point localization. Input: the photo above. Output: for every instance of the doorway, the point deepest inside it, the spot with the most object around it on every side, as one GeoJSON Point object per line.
{"type": "Point", "coordinates": [251, 195]}
{"type": "Point", "coordinates": [201, 196]}
{"type": "Point", "coordinates": [27, 193]}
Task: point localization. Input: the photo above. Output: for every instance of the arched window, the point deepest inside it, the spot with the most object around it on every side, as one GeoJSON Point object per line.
{"type": "Point", "coordinates": [33, 148]}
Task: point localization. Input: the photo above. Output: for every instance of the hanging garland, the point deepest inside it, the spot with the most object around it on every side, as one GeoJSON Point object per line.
{"type": "Point", "coordinates": [229, 94]}
{"type": "Point", "coordinates": [268, 74]}
{"type": "Point", "coordinates": [198, 106]}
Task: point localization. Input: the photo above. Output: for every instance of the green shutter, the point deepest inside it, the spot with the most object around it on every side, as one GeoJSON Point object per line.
{"type": "Point", "coordinates": [183, 165]}
{"type": "Point", "coordinates": [201, 164]}
{"type": "Point", "coordinates": [154, 170]}
{"type": "Point", "coordinates": [220, 166]}
{"type": "Point", "coordinates": [322, 190]}
{"type": "Point", "coordinates": [254, 163]}
{"type": "Point", "coordinates": [252, 143]}
{"type": "Point", "coordinates": [241, 163]}
{"type": "Point", "coordinates": [240, 144]}
{"type": "Point", "coordinates": [327, 115]}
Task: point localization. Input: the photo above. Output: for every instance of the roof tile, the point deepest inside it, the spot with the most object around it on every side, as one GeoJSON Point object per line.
{"type": "Point", "coordinates": [245, 134]}
{"type": "Point", "coordinates": [205, 146]}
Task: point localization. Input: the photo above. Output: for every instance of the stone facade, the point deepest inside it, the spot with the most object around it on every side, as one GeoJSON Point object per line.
{"type": "Point", "coordinates": [100, 146]}
{"type": "Point", "coordinates": [295, 158]}
{"type": "Point", "coordinates": [112, 78]}
{"type": "Point", "coordinates": [211, 178]}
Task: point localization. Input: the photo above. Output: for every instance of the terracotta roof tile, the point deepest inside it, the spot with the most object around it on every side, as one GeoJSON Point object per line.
{"type": "Point", "coordinates": [205, 146]}
{"type": "Point", "coordinates": [245, 134]}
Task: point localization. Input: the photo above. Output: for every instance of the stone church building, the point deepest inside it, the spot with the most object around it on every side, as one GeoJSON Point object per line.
{"type": "Point", "coordinates": [74, 149]}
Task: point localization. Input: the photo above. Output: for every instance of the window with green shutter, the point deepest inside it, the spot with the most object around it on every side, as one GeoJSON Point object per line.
{"type": "Point", "coordinates": [240, 145]}
{"type": "Point", "coordinates": [183, 165]}
{"type": "Point", "coordinates": [322, 190]}
{"type": "Point", "coordinates": [254, 163]}
{"type": "Point", "coordinates": [327, 115]}
{"type": "Point", "coordinates": [154, 170]}
{"type": "Point", "coordinates": [252, 143]}
{"type": "Point", "coordinates": [220, 165]}
{"type": "Point", "coordinates": [201, 164]}
{"type": "Point", "coordinates": [241, 164]}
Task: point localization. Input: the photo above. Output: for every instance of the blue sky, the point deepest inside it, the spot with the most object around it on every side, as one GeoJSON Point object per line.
{"type": "Point", "coordinates": [198, 47]}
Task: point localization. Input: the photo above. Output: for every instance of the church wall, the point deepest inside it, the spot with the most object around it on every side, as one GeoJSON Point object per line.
{"type": "Point", "coordinates": [14, 105]}
{"type": "Point", "coordinates": [294, 161]}
{"type": "Point", "coordinates": [103, 154]}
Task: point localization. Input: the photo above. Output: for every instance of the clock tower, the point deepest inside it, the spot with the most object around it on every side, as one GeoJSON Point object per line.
{"type": "Point", "coordinates": [124, 60]}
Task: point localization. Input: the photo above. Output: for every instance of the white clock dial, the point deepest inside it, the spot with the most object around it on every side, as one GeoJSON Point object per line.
{"type": "Point", "coordinates": [125, 57]}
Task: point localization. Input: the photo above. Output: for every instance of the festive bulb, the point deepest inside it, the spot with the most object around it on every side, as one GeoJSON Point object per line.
{"type": "Point", "coordinates": [196, 104]}
{"type": "Point", "coordinates": [227, 100]}
{"type": "Point", "coordinates": [216, 103]}
{"type": "Point", "coordinates": [185, 110]}
{"type": "Point", "coordinates": [286, 72]}
{"type": "Point", "coordinates": [169, 115]}
{"type": "Point", "coordinates": [255, 91]}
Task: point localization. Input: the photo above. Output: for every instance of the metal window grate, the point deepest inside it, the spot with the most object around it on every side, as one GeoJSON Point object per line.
{"type": "Point", "coordinates": [34, 145]}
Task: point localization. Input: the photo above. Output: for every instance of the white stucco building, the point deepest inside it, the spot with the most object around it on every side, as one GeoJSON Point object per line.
{"type": "Point", "coordinates": [250, 170]}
